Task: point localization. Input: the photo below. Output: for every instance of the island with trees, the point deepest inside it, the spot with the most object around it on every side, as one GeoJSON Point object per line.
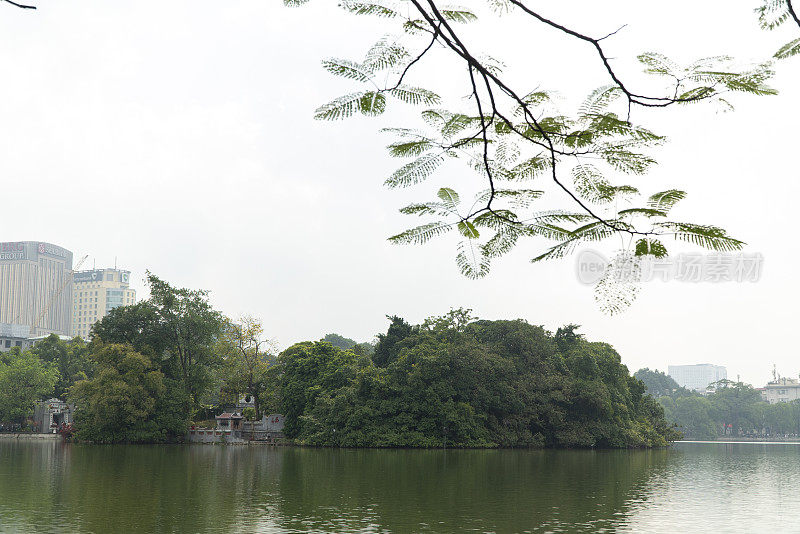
{"type": "Point", "coordinates": [155, 367]}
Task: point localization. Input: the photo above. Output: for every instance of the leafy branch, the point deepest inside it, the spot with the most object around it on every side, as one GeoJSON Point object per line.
{"type": "Point", "coordinates": [773, 14]}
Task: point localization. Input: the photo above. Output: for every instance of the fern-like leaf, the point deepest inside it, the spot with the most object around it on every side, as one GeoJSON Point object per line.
{"type": "Point", "coordinates": [416, 171]}
{"type": "Point", "coordinates": [342, 107]}
{"type": "Point", "coordinates": [471, 261]}
{"type": "Point", "coordinates": [450, 198]}
{"type": "Point", "coordinates": [790, 49]}
{"type": "Point", "coordinates": [378, 9]}
{"type": "Point", "coordinates": [372, 104]}
{"type": "Point", "coordinates": [345, 68]}
{"type": "Point", "coordinates": [468, 230]}
{"type": "Point", "coordinates": [456, 14]}
{"type": "Point", "coordinates": [709, 237]}
{"type": "Point", "coordinates": [415, 95]}
{"type": "Point", "coordinates": [410, 148]}
{"type": "Point", "coordinates": [421, 234]}
{"type": "Point", "coordinates": [665, 200]}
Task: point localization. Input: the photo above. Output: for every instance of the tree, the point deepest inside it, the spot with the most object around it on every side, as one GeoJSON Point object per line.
{"type": "Point", "coordinates": [24, 379]}
{"type": "Point", "coordinates": [176, 327]}
{"type": "Point", "coordinates": [71, 359]}
{"type": "Point", "coordinates": [658, 383]}
{"type": "Point", "coordinates": [248, 357]}
{"type": "Point", "coordinates": [456, 383]}
{"type": "Point", "coordinates": [515, 137]}
{"type": "Point", "coordinates": [388, 345]}
{"type": "Point", "coordinates": [303, 372]}
{"type": "Point", "coordinates": [341, 342]}
{"type": "Point", "coordinates": [129, 400]}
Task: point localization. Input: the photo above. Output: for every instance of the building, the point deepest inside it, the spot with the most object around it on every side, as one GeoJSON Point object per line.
{"type": "Point", "coordinates": [95, 293]}
{"type": "Point", "coordinates": [781, 390]}
{"type": "Point", "coordinates": [15, 335]}
{"type": "Point", "coordinates": [35, 290]}
{"type": "Point", "coordinates": [51, 414]}
{"type": "Point", "coordinates": [697, 377]}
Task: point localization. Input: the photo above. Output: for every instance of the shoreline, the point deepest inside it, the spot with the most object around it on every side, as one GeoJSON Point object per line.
{"type": "Point", "coordinates": [755, 441]}
{"type": "Point", "coordinates": [26, 436]}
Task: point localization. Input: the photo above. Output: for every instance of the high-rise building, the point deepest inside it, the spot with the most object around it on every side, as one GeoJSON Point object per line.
{"type": "Point", "coordinates": [95, 293]}
{"type": "Point", "coordinates": [697, 377]}
{"type": "Point", "coordinates": [35, 288]}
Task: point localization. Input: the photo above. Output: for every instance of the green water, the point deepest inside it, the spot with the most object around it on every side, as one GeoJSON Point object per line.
{"type": "Point", "coordinates": [50, 487]}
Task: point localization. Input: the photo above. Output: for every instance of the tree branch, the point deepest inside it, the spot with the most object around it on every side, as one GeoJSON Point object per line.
{"type": "Point", "coordinates": [22, 6]}
{"type": "Point", "coordinates": [792, 12]}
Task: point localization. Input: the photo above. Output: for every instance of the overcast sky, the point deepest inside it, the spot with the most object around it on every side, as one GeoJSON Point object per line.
{"type": "Point", "coordinates": [177, 136]}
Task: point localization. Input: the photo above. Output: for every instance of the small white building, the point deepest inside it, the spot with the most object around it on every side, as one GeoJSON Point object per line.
{"type": "Point", "coordinates": [781, 390]}
{"type": "Point", "coordinates": [51, 414]}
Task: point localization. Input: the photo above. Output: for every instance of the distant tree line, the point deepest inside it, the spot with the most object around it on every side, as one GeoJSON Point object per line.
{"type": "Point", "coordinates": [733, 409]}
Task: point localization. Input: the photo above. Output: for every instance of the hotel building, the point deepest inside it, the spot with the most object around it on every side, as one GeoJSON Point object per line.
{"type": "Point", "coordinates": [35, 289]}
{"type": "Point", "coordinates": [95, 293]}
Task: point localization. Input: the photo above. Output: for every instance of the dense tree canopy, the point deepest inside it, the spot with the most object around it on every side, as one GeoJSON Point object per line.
{"type": "Point", "coordinates": [449, 382]}
{"type": "Point", "coordinates": [24, 379]}
{"type": "Point", "coordinates": [70, 359]}
{"type": "Point", "coordinates": [128, 400]}
{"type": "Point", "coordinates": [177, 328]}
{"type": "Point", "coordinates": [658, 383]}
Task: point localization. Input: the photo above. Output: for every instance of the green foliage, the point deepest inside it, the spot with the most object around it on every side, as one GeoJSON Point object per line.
{"type": "Point", "coordinates": [345, 343]}
{"type": "Point", "coordinates": [456, 382]}
{"type": "Point", "coordinates": [338, 341]}
{"type": "Point", "coordinates": [247, 359]}
{"type": "Point", "coordinates": [773, 14]}
{"type": "Point", "coordinates": [176, 328]}
{"type": "Point", "coordinates": [24, 379]}
{"type": "Point", "coordinates": [128, 400]}
{"type": "Point", "coordinates": [304, 371]}
{"type": "Point", "coordinates": [657, 383]}
{"type": "Point", "coordinates": [734, 409]}
{"type": "Point", "coordinates": [71, 359]}
{"type": "Point", "coordinates": [587, 153]}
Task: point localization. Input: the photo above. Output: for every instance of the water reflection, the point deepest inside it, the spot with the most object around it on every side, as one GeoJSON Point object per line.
{"type": "Point", "coordinates": [50, 487]}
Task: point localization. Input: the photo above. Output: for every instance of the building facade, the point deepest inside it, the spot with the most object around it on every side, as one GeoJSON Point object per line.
{"type": "Point", "coordinates": [95, 293]}
{"type": "Point", "coordinates": [35, 289]}
{"type": "Point", "coordinates": [781, 390]}
{"type": "Point", "coordinates": [697, 377]}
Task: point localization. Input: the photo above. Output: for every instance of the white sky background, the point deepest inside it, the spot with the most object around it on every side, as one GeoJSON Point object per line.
{"type": "Point", "coordinates": [178, 136]}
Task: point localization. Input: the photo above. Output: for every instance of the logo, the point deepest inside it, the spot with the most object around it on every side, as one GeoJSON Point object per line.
{"type": "Point", "coordinates": [52, 250]}
{"type": "Point", "coordinates": [590, 266]}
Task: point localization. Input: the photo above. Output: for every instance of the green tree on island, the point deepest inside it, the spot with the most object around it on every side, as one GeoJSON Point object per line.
{"type": "Point", "coordinates": [248, 356]}
{"type": "Point", "coordinates": [71, 359]}
{"type": "Point", "coordinates": [128, 400]}
{"type": "Point", "coordinates": [177, 328]}
{"type": "Point", "coordinates": [658, 383]}
{"type": "Point", "coordinates": [453, 383]}
{"type": "Point", "coordinates": [24, 379]}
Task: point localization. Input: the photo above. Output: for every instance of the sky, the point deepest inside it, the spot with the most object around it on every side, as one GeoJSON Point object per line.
{"type": "Point", "coordinates": [178, 137]}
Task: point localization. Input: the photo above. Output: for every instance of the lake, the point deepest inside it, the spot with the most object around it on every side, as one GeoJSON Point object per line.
{"type": "Point", "coordinates": [691, 487]}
